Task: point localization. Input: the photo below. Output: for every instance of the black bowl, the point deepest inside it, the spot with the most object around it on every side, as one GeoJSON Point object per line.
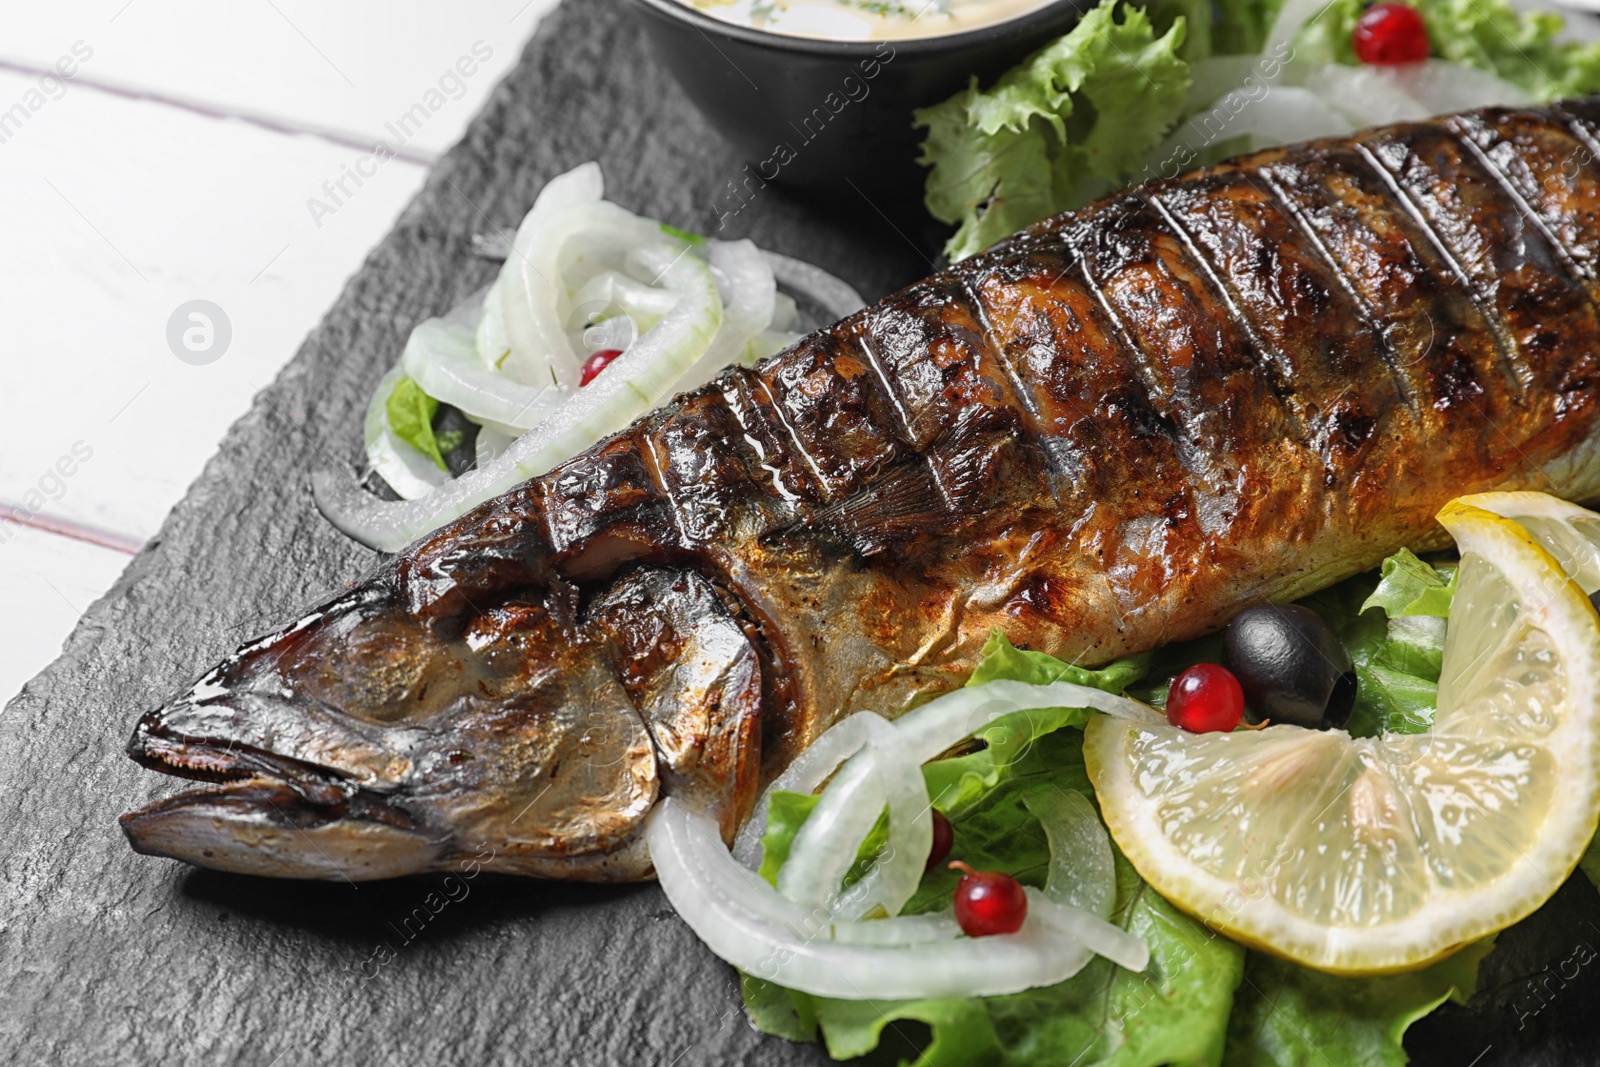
{"type": "Point", "coordinates": [832, 120]}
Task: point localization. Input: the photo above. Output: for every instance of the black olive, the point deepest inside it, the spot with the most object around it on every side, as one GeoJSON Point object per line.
{"type": "Point", "coordinates": [1291, 666]}
{"type": "Point", "coordinates": [458, 438]}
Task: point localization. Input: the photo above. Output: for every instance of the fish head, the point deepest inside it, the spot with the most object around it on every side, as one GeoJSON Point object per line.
{"type": "Point", "coordinates": [365, 742]}
{"type": "Point", "coordinates": [531, 736]}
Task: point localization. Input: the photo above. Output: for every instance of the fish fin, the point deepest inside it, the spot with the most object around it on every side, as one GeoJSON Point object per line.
{"type": "Point", "coordinates": [904, 504]}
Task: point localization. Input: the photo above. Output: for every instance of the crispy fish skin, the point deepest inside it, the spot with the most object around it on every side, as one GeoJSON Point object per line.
{"type": "Point", "coordinates": [1109, 432]}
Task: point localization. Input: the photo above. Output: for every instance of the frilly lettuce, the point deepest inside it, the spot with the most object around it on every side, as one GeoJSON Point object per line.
{"type": "Point", "coordinates": [1082, 115]}
{"type": "Point", "coordinates": [1285, 1015]}
{"type": "Point", "coordinates": [1067, 124]}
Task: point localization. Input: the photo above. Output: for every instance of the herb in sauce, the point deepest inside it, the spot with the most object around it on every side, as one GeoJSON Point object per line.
{"type": "Point", "coordinates": [854, 20]}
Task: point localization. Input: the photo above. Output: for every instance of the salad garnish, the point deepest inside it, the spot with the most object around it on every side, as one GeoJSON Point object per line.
{"type": "Point", "coordinates": [1165, 978]}
{"type": "Point", "coordinates": [597, 316]}
{"type": "Point", "coordinates": [1141, 91]}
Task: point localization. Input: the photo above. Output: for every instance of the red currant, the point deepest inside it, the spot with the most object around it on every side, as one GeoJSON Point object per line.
{"type": "Point", "coordinates": [988, 902]}
{"type": "Point", "coordinates": [596, 363]}
{"type": "Point", "coordinates": [944, 835]}
{"type": "Point", "coordinates": [1390, 34]}
{"type": "Point", "coordinates": [1204, 698]}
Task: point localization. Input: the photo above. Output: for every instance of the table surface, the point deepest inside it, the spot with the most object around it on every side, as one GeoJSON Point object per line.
{"type": "Point", "coordinates": [220, 125]}
{"type": "Point", "coordinates": [113, 957]}
{"type": "Point", "coordinates": [195, 153]}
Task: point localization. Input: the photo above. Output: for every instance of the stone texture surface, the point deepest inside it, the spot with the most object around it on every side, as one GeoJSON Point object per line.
{"type": "Point", "coordinates": [107, 957]}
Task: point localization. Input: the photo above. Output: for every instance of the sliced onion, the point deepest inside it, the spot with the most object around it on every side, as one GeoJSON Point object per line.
{"type": "Point", "coordinates": [1291, 113]}
{"type": "Point", "coordinates": [895, 874]}
{"type": "Point", "coordinates": [490, 443]}
{"type": "Point", "coordinates": [833, 295]}
{"type": "Point", "coordinates": [747, 923]}
{"type": "Point", "coordinates": [1286, 113]}
{"type": "Point", "coordinates": [1214, 77]}
{"type": "Point", "coordinates": [617, 333]}
{"type": "Point", "coordinates": [925, 733]}
{"type": "Point", "coordinates": [634, 383]}
{"type": "Point", "coordinates": [785, 314]}
{"type": "Point", "coordinates": [804, 774]}
{"type": "Point", "coordinates": [408, 472]}
{"type": "Point", "coordinates": [751, 299]}
{"type": "Point", "coordinates": [1092, 932]}
{"type": "Point", "coordinates": [584, 237]}
{"type": "Point", "coordinates": [939, 724]}
{"type": "Point", "coordinates": [614, 291]}
{"type": "Point", "coordinates": [1082, 872]}
{"type": "Point", "coordinates": [1365, 94]}
{"type": "Point", "coordinates": [442, 358]}
{"type": "Point", "coordinates": [530, 283]}
{"type": "Point", "coordinates": [1292, 18]}
{"type": "Point", "coordinates": [767, 343]}
{"type": "Point", "coordinates": [902, 930]}
{"type": "Point", "coordinates": [1441, 86]}
{"type": "Point", "coordinates": [827, 843]}
{"type": "Point", "coordinates": [491, 339]}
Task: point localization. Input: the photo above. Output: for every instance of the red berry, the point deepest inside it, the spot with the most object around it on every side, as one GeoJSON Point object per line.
{"type": "Point", "coordinates": [944, 835]}
{"type": "Point", "coordinates": [1204, 698]}
{"type": "Point", "coordinates": [596, 363]}
{"type": "Point", "coordinates": [988, 902]}
{"type": "Point", "coordinates": [1390, 34]}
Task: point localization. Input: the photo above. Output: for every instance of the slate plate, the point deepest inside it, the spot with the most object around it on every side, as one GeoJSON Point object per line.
{"type": "Point", "coordinates": [107, 957]}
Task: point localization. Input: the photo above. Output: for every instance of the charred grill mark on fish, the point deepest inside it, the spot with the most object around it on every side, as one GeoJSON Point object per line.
{"type": "Point", "coordinates": [1108, 432]}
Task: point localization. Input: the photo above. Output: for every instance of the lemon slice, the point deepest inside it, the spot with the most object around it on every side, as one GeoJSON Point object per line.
{"type": "Point", "coordinates": [1376, 855]}
{"type": "Point", "coordinates": [1569, 533]}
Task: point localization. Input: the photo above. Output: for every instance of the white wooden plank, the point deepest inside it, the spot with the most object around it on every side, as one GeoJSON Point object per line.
{"type": "Point", "coordinates": [356, 67]}
{"type": "Point", "coordinates": [117, 213]}
{"type": "Point", "coordinates": [46, 582]}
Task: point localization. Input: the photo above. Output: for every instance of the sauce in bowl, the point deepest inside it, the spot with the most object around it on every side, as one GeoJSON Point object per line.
{"type": "Point", "coordinates": [865, 20]}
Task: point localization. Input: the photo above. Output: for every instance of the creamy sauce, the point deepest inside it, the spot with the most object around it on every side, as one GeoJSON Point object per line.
{"type": "Point", "coordinates": [865, 20]}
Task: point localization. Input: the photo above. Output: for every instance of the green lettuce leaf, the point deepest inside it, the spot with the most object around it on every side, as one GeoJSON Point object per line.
{"type": "Point", "coordinates": [411, 413]}
{"type": "Point", "coordinates": [1412, 586]}
{"type": "Point", "coordinates": [1285, 1015]}
{"type": "Point", "coordinates": [1391, 701]}
{"type": "Point", "coordinates": [1077, 117]}
{"type": "Point", "coordinates": [1003, 660]}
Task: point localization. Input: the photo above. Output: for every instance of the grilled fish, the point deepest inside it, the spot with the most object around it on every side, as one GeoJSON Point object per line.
{"type": "Point", "coordinates": [1109, 432]}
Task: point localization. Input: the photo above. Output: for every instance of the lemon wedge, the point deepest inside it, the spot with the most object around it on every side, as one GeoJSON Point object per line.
{"type": "Point", "coordinates": [1569, 533]}
{"type": "Point", "coordinates": [1378, 855]}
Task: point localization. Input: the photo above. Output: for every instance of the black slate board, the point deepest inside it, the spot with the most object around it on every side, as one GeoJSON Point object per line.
{"type": "Point", "coordinates": [107, 957]}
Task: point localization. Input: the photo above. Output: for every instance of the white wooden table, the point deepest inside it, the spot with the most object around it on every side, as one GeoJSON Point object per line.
{"type": "Point", "coordinates": [197, 152]}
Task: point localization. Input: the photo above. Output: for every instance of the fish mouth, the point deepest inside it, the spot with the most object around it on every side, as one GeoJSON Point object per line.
{"type": "Point", "coordinates": [264, 812]}
{"type": "Point", "coordinates": [223, 760]}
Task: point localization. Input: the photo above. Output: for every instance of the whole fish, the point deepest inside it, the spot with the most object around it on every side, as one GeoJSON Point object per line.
{"type": "Point", "coordinates": [1110, 432]}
